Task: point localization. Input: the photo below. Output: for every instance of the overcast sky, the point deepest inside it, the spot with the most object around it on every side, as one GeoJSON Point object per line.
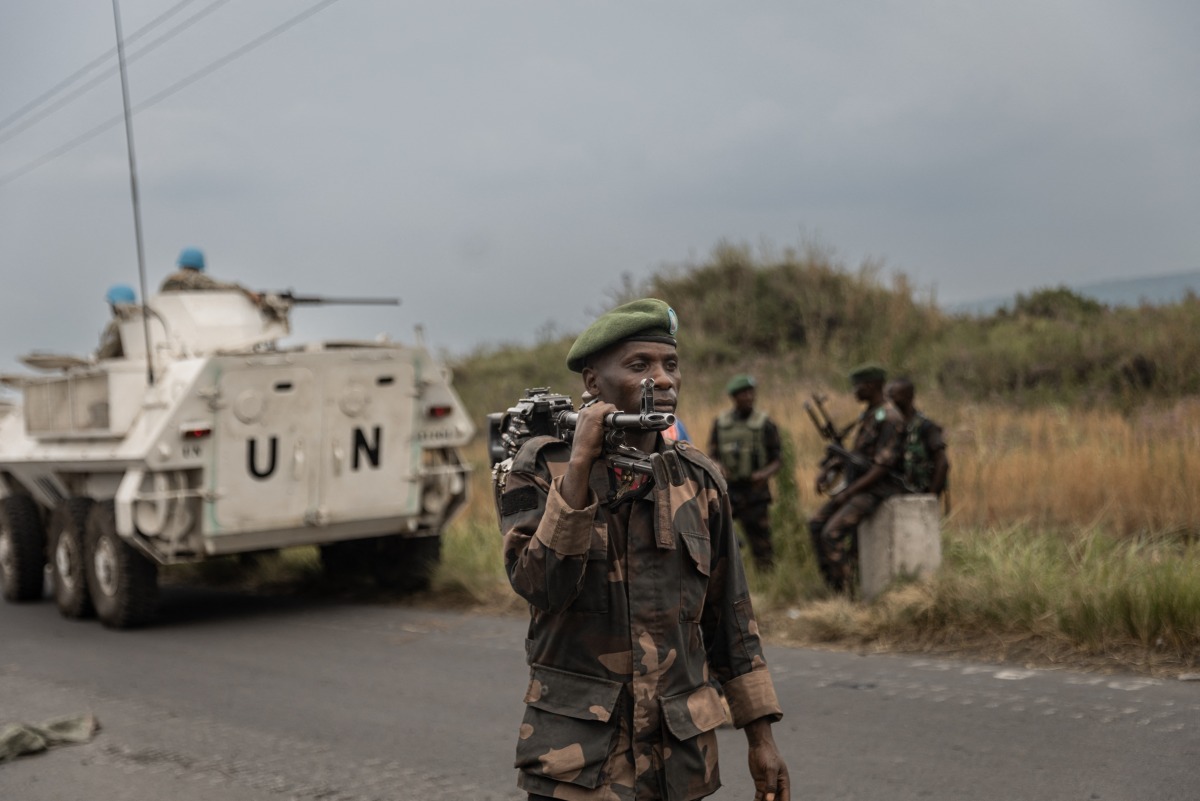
{"type": "Point", "coordinates": [498, 165]}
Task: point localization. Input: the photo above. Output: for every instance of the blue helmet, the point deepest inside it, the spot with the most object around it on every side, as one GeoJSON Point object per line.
{"type": "Point", "coordinates": [120, 293]}
{"type": "Point", "coordinates": [191, 259]}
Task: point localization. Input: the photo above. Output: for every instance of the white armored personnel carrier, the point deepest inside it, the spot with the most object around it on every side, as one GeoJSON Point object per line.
{"type": "Point", "coordinates": [226, 442]}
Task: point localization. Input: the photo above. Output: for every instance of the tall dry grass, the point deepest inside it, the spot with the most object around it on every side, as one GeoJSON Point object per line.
{"type": "Point", "coordinates": [1051, 467]}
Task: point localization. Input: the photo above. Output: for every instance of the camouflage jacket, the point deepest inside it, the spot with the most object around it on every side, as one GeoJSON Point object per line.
{"type": "Point", "coordinates": [880, 438]}
{"type": "Point", "coordinates": [635, 605]}
{"type": "Point", "coordinates": [110, 342]}
{"type": "Point", "coordinates": [188, 280]}
{"type": "Point", "coordinates": [922, 439]}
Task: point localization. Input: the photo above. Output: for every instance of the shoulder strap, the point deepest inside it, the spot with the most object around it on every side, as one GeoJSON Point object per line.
{"type": "Point", "coordinates": [526, 459]}
{"type": "Point", "coordinates": [701, 460]}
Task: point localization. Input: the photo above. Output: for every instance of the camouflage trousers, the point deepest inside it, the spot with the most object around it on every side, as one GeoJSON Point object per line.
{"type": "Point", "coordinates": [834, 533]}
{"type": "Point", "coordinates": [755, 516]}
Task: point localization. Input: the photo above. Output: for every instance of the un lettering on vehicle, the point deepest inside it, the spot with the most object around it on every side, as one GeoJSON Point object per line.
{"type": "Point", "coordinates": [267, 436]}
{"type": "Point", "coordinates": [365, 452]}
{"type": "Point", "coordinates": [372, 460]}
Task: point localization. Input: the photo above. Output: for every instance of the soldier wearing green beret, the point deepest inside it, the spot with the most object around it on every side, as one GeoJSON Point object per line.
{"type": "Point", "coordinates": [879, 441]}
{"type": "Point", "coordinates": [638, 598]}
{"type": "Point", "coordinates": [745, 443]}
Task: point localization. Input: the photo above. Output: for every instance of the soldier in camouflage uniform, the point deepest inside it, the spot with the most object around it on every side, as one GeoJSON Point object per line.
{"type": "Point", "coordinates": [926, 468]}
{"type": "Point", "coordinates": [191, 277]}
{"type": "Point", "coordinates": [638, 599]}
{"type": "Point", "coordinates": [746, 445]}
{"type": "Point", "coordinates": [119, 297]}
{"type": "Point", "coordinates": [834, 528]}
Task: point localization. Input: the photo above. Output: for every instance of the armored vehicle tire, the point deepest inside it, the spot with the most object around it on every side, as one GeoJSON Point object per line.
{"type": "Point", "coordinates": [407, 564]}
{"type": "Point", "coordinates": [122, 582]}
{"type": "Point", "coordinates": [67, 534]}
{"type": "Point", "coordinates": [22, 549]}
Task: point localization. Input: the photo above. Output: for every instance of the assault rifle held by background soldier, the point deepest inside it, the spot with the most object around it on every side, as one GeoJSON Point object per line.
{"type": "Point", "coordinates": [841, 465]}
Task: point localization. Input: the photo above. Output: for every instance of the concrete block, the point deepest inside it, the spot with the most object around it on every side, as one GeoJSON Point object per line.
{"type": "Point", "coordinates": [902, 538]}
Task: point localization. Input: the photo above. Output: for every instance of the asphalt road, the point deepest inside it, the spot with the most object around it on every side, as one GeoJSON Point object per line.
{"type": "Point", "coordinates": [244, 698]}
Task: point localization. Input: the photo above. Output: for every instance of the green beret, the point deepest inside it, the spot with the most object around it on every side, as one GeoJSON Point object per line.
{"type": "Point", "coordinates": [738, 383]}
{"type": "Point", "coordinates": [868, 372]}
{"type": "Point", "coordinates": [645, 320]}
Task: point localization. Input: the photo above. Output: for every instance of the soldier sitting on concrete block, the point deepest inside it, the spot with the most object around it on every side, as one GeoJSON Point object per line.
{"type": "Point", "coordinates": [878, 445]}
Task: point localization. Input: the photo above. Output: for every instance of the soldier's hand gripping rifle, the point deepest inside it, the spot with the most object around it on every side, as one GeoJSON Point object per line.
{"type": "Point", "coordinates": [542, 413]}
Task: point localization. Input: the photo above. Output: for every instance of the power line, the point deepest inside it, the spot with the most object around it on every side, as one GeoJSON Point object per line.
{"type": "Point", "coordinates": [203, 72]}
{"type": "Point", "coordinates": [33, 119]}
{"type": "Point", "coordinates": [91, 65]}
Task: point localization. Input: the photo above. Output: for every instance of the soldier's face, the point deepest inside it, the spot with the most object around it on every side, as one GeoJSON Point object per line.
{"type": "Point", "coordinates": [865, 390]}
{"type": "Point", "coordinates": [743, 400]}
{"type": "Point", "coordinates": [900, 395]}
{"type": "Point", "coordinates": [617, 374]}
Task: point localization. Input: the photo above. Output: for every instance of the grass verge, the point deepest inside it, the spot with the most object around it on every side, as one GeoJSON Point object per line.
{"type": "Point", "coordinates": [1087, 599]}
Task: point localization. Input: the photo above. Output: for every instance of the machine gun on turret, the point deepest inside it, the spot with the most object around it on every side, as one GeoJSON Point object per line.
{"type": "Point", "coordinates": [292, 299]}
{"type": "Point", "coordinates": [543, 413]}
{"type": "Point", "coordinates": [276, 305]}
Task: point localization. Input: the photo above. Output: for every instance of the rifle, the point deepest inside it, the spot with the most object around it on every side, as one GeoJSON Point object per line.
{"type": "Point", "coordinates": [824, 424]}
{"type": "Point", "coordinates": [542, 413]}
{"type": "Point", "coordinates": [837, 458]}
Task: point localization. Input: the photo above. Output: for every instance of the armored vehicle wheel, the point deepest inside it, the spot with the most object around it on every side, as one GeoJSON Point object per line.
{"type": "Point", "coordinates": [407, 563]}
{"type": "Point", "coordinates": [123, 583]}
{"type": "Point", "coordinates": [66, 535]}
{"type": "Point", "coordinates": [22, 549]}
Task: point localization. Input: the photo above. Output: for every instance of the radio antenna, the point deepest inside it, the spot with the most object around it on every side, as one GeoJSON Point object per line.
{"type": "Point", "coordinates": [133, 190]}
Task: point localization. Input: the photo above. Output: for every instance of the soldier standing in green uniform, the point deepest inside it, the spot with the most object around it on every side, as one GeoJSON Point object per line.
{"type": "Point", "coordinates": [745, 443]}
{"type": "Point", "coordinates": [926, 468]}
{"type": "Point", "coordinates": [638, 599]}
{"type": "Point", "coordinates": [834, 528]}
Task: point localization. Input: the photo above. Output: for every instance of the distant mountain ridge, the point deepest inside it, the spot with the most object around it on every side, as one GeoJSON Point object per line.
{"type": "Point", "coordinates": [1155, 290]}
